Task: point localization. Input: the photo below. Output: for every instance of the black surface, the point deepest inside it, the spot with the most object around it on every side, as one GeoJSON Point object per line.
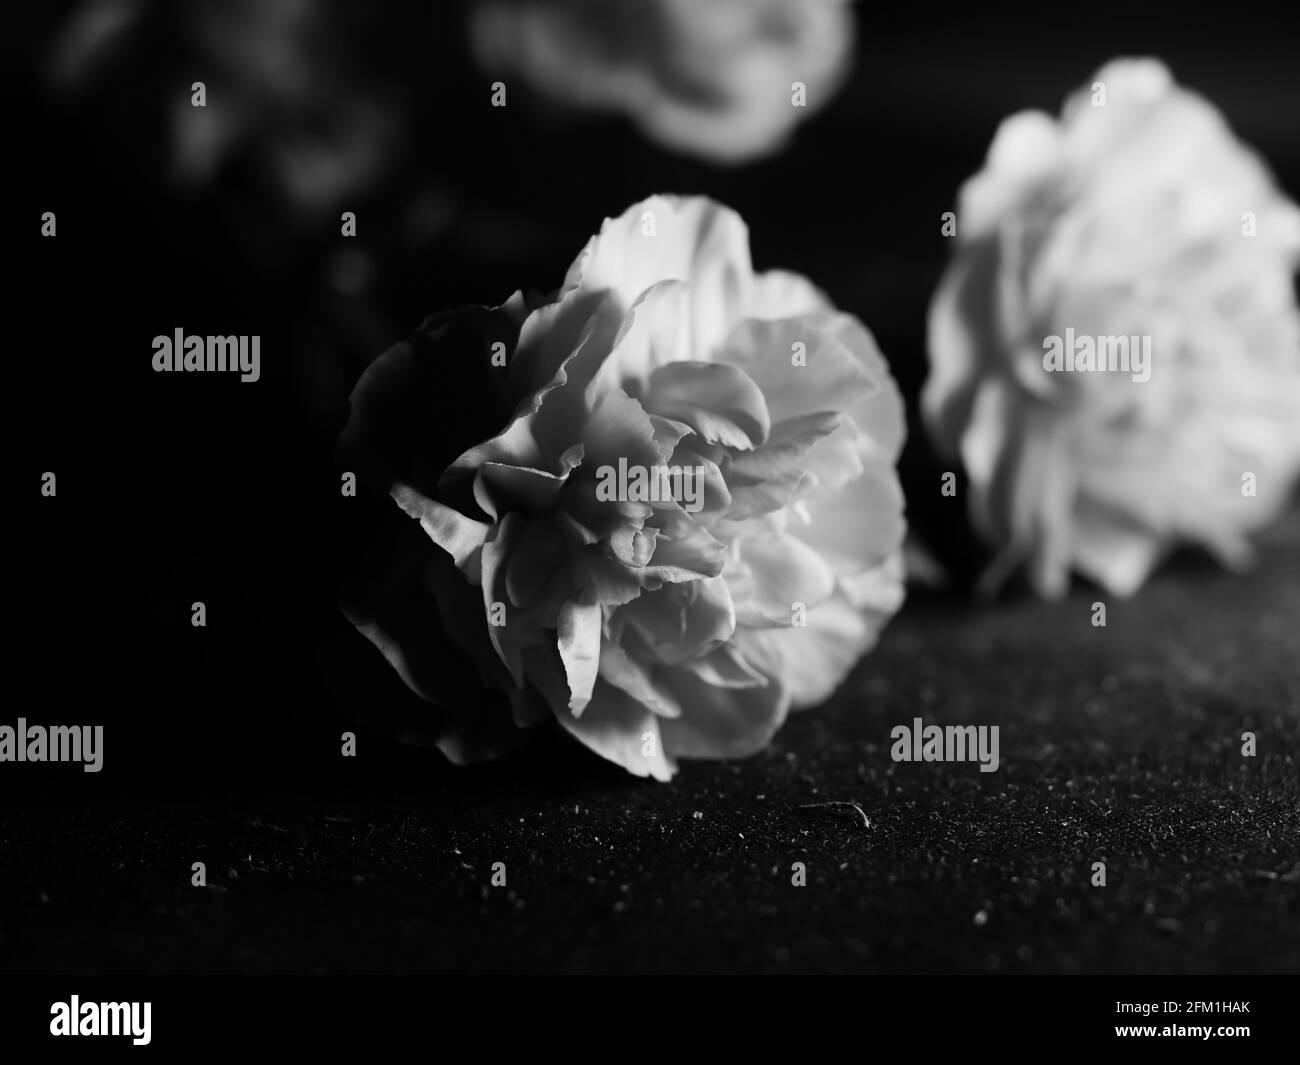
{"type": "Point", "coordinates": [1119, 745]}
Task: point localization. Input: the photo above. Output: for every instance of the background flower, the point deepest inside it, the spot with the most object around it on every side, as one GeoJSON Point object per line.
{"type": "Point", "coordinates": [281, 90]}
{"type": "Point", "coordinates": [650, 632]}
{"type": "Point", "coordinates": [713, 79]}
{"type": "Point", "coordinates": [1125, 218]}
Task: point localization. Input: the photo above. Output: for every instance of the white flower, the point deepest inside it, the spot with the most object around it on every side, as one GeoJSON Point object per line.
{"type": "Point", "coordinates": [649, 630]}
{"type": "Point", "coordinates": [1137, 215]}
{"type": "Point", "coordinates": [710, 77]}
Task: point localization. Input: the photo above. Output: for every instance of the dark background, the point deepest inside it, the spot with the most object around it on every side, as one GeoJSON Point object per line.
{"type": "Point", "coordinates": [222, 744]}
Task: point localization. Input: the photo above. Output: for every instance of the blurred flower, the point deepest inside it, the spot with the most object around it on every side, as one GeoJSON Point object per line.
{"type": "Point", "coordinates": [278, 89]}
{"type": "Point", "coordinates": [710, 78]}
{"type": "Point", "coordinates": [651, 630]}
{"type": "Point", "coordinates": [1138, 217]}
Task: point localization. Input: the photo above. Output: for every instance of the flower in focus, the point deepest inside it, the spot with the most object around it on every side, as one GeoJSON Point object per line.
{"type": "Point", "coordinates": [713, 79]}
{"type": "Point", "coordinates": [651, 628]}
{"type": "Point", "coordinates": [1137, 221]}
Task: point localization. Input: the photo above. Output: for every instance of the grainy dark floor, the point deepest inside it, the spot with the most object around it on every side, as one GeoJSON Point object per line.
{"type": "Point", "coordinates": [1119, 745]}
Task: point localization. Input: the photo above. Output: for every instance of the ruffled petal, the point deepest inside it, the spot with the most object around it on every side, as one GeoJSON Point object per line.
{"type": "Point", "coordinates": [781, 294]}
{"type": "Point", "coordinates": [679, 622]}
{"type": "Point", "coordinates": [671, 238]}
{"type": "Point", "coordinates": [783, 570]}
{"type": "Point", "coordinates": [720, 402]}
{"type": "Point", "coordinates": [859, 524]}
{"type": "Point", "coordinates": [723, 722]}
{"type": "Point", "coordinates": [397, 431]}
{"type": "Point", "coordinates": [578, 641]}
{"type": "Point", "coordinates": [622, 731]}
{"type": "Point", "coordinates": [459, 536]}
{"type": "Point", "coordinates": [960, 340]}
{"type": "Point", "coordinates": [618, 668]}
{"type": "Point", "coordinates": [800, 366]}
{"type": "Point", "coordinates": [685, 550]}
{"type": "Point", "coordinates": [496, 553]}
{"type": "Point", "coordinates": [788, 445]}
{"type": "Point", "coordinates": [812, 659]}
{"type": "Point", "coordinates": [1117, 554]}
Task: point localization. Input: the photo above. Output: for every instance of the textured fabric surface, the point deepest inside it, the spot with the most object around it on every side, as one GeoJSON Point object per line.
{"type": "Point", "coordinates": [1119, 745]}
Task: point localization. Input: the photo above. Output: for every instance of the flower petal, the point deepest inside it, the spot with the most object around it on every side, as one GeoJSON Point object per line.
{"type": "Point", "coordinates": [496, 553]}
{"type": "Point", "coordinates": [672, 238]}
{"type": "Point", "coordinates": [618, 427]}
{"type": "Point", "coordinates": [783, 571]}
{"type": "Point", "coordinates": [725, 667]}
{"type": "Point", "coordinates": [960, 333]}
{"type": "Point", "coordinates": [397, 431]}
{"type": "Point", "coordinates": [718, 401]}
{"type": "Point", "coordinates": [499, 487]}
{"type": "Point", "coordinates": [781, 294]}
{"type": "Point", "coordinates": [656, 332]}
{"type": "Point", "coordinates": [625, 673]}
{"type": "Point", "coordinates": [578, 641]}
{"type": "Point", "coordinates": [859, 524]}
{"type": "Point", "coordinates": [723, 722]}
{"type": "Point", "coordinates": [880, 415]}
{"type": "Point", "coordinates": [411, 603]}
{"type": "Point", "coordinates": [679, 622]}
{"type": "Point", "coordinates": [752, 500]}
{"type": "Point", "coordinates": [789, 442]}
{"type": "Point", "coordinates": [1117, 554]}
{"type": "Point", "coordinates": [622, 731]}
{"type": "Point", "coordinates": [459, 536]}
{"type": "Point", "coordinates": [685, 550]}
{"type": "Point", "coordinates": [813, 659]}
{"type": "Point", "coordinates": [538, 578]}
{"type": "Point", "coordinates": [800, 366]}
